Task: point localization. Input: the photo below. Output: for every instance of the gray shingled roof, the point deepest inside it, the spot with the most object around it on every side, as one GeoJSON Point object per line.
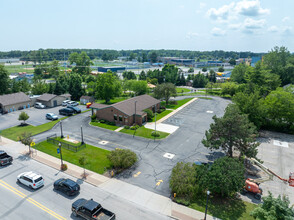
{"type": "Point", "coordinates": [46, 97]}
{"type": "Point", "coordinates": [99, 106]}
{"type": "Point", "coordinates": [66, 95]}
{"type": "Point", "coordinates": [14, 98]}
{"type": "Point", "coordinates": [143, 102]}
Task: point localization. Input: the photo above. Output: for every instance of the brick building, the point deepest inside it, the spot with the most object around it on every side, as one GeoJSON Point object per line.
{"type": "Point", "coordinates": [128, 111]}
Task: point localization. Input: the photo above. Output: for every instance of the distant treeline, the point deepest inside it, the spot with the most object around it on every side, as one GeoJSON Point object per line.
{"type": "Point", "coordinates": [141, 55]}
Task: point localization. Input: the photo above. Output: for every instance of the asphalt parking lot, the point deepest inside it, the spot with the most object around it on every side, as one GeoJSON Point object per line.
{"type": "Point", "coordinates": [37, 116]}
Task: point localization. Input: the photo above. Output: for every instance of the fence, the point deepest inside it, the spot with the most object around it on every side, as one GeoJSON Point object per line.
{"type": "Point", "coordinates": [52, 139]}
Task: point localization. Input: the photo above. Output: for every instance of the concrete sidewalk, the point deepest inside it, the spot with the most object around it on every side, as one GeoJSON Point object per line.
{"type": "Point", "coordinates": [135, 194]}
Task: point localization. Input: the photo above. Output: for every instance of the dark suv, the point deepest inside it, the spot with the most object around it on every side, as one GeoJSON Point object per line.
{"type": "Point", "coordinates": [75, 109]}
{"type": "Point", "coordinates": [67, 186]}
{"type": "Point", "coordinates": [66, 111]}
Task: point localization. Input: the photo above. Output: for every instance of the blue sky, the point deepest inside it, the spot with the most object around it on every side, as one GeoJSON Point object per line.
{"type": "Point", "coordinates": [240, 25]}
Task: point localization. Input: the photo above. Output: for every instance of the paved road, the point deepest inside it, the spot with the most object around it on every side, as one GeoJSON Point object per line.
{"type": "Point", "coordinates": [153, 170]}
{"type": "Point", "coordinates": [19, 202]}
{"type": "Point", "coordinates": [37, 116]}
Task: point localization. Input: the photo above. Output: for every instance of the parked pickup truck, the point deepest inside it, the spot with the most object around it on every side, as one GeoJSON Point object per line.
{"type": "Point", "coordinates": [89, 209]}
{"type": "Point", "coordinates": [5, 158]}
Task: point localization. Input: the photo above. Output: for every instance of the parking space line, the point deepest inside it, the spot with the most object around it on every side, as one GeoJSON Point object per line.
{"type": "Point", "coordinates": [159, 182]}
{"type": "Point", "coordinates": [32, 201]}
{"type": "Point", "coordinates": [137, 174]}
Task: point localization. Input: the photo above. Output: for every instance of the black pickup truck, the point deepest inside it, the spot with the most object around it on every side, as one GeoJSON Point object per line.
{"type": "Point", "coordinates": [5, 158]}
{"type": "Point", "coordinates": [89, 209]}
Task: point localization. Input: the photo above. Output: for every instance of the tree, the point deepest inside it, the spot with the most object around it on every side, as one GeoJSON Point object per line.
{"type": "Point", "coordinates": [224, 177]}
{"type": "Point", "coordinates": [144, 57]}
{"type": "Point", "coordinates": [170, 73]}
{"type": "Point", "coordinates": [4, 80]}
{"type": "Point", "coordinates": [183, 180]}
{"type": "Point", "coordinates": [24, 85]}
{"type": "Point", "coordinates": [238, 73]}
{"type": "Point", "coordinates": [212, 76]}
{"type": "Point", "coordinates": [139, 87]}
{"type": "Point", "coordinates": [142, 75]}
{"type": "Point", "coordinates": [41, 69]}
{"type": "Point", "coordinates": [107, 87]}
{"type": "Point", "coordinates": [23, 117]}
{"type": "Point", "coordinates": [165, 90]}
{"type": "Point", "coordinates": [274, 208]}
{"type": "Point", "coordinates": [58, 89]}
{"type": "Point", "coordinates": [54, 69]}
{"type": "Point", "coordinates": [232, 131]}
{"type": "Point", "coordinates": [153, 57]}
{"type": "Point", "coordinates": [149, 114]}
{"type": "Point", "coordinates": [14, 86]}
{"type": "Point", "coordinates": [51, 88]}
{"type": "Point", "coordinates": [122, 158]}
{"type": "Point", "coordinates": [204, 69]}
{"type": "Point", "coordinates": [191, 70]}
{"type": "Point", "coordinates": [199, 81]}
{"type": "Point", "coordinates": [229, 88]}
{"type": "Point", "coordinates": [75, 86]}
{"type": "Point", "coordinates": [82, 62]}
{"type": "Point", "coordinates": [232, 62]}
{"type": "Point", "coordinates": [83, 161]}
{"type": "Point", "coordinates": [39, 87]}
{"type": "Point", "coordinates": [221, 69]}
{"type": "Point", "coordinates": [279, 108]}
{"type": "Point", "coordinates": [129, 75]}
{"type": "Point", "coordinates": [26, 139]}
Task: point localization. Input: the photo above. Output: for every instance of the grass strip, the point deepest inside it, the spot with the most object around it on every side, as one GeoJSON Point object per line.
{"type": "Point", "coordinates": [144, 132]}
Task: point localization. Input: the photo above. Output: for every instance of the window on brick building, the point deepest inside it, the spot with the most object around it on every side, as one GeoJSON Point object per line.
{"type": "Point", "coordinates": [120, 118]}
{"type": "Point", "coordinates": [115, 117]}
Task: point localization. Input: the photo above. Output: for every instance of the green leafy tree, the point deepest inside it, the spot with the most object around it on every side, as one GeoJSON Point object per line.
{"type": "Point", "coordinates": [165, 90]}
{"type": "Point", "coordinates": [14, 86]}
{"type": "Point", "coordinates": [4, 80]}
{"type": "Point", "coordinates": [153, 57]}
{"type": "Point", "coordinates": [24, 86]}
{"type": "Point", "coordinates": [122, 158]}
{"type": "Point", "coordinates": [232, 131]}
{"type": "Point", "coordinates": [51, 88]}
{"type": "Point", "coordinates": [199, 81]}
{"type": "Point", "coordinates": [58, 89]}
{"type": "Point", "coordinates": [238, 73]}
{"type": "Point", "coordinates": [229, 88]}
{"type": "Point", "coordinates": [191, 70]}
{"type": "Point", "coordinates": [82, 62]}
{"type": "Point", "coordinates": [279, 107]}
{"type": "Point", "coordinates": [41, 69]}
{"type": "Point", "coordinates": [274, 209]}
{"type": "Point", "coordinates": [83, 161]}
{"type": "Point", "coordinates": [54, 69]}
{"type": "Point", "coordinates": [26, 139]}
{"type": "Point", "coordinates": [107, 87]}
{"type": "Point", "coordinates": [212, 76]}
{"type": "Point", "coordinates": [23, 117]}
{"type": "Point", "coordinates": [232, 62]}
{"type": "Point", "coordinates": [75, 86]}
{"type": "Point", "coordinates": [144, 57]}
{"type": "Point", "coordinates": [221, 69]}
{"type": "Point", "coordinates": [129, 75]}
{"type": "Point", "coordinates": [224, 177]}
{"type": "Point", "coordinates": [39, 87]}
{"type": "Point", "coordinates": [142, 75]}
{"type": "Point", "coordinates": [139, 87]}
{"type": "Point", "coordinates": [183, 180]}
{"type": "Point", "coordinates": [91, 88]}
{"type": "Point", "coordinates": [204, 69]}
{"type": "Point", "coordinates": [150, 114]}
{"type": "Point", "coordinates": [170, 73]}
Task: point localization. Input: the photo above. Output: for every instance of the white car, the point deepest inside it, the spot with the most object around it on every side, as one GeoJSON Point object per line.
{"type": "Point", "coordinates": [64, 103]}
{"type": "Point", "coordinates": [72, 103]}
{"type": "Point", "coordinates": [39, 105]}
{"type": "Point", "coordinates": [31, 180]}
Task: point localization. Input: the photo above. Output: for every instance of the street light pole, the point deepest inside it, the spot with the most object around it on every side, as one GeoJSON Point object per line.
{"type": "Point", "coordinates": [82, 135]}
{"type": "Point", "coordinates": [206, 204]}
{"type": "Point", "coordinates": [61, 130]}
{"type": "Point", "coordinates": [60, 155]}
{"type": "Point", "coordinates": [155, 122]}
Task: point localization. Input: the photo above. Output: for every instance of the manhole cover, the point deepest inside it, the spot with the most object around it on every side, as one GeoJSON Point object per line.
{"type": "Point", "coordinates": [103, 142]}
{"type": "Point", "coordinates": [210, 112]}
{"type": "Point", "coordinates": [168, 155]}
{"type": "Point", "coordinates": [280, 143]}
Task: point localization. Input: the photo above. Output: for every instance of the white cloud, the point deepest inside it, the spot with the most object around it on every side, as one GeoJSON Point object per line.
{"type": "Point", "coordinates": [235, 26]}
{"type": "Point", "coordinates": [273, 29]}
{"type": "Point", "coordinates": [220, 14]}
{"type": "Point", "coordinates": [202, 5]}
{"type": "Point", "coordinates": [250, 23]}
{"type": "Point", "coordinates": [218, 32]}
{"type": "Point", "coordinates": [190, 35]}
{"type": "Point", "coordinates": [286, 19]}
{"type": "Point", "coordinates": [288, 30]}
{"type": "Point", "coordinates": [250, 8]}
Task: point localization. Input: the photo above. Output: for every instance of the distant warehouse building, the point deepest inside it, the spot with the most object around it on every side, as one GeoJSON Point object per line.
{"type": "Point", "coordinates": [14, 102]}
{"type": "Point", "coordinates": [126, 112]}
{"type": "Point", "coordinates": [51, 100]}
{"type": "Point", "coordinates": [112, 69]}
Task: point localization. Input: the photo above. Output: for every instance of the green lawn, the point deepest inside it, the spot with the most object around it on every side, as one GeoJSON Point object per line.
{"type": "Point", "coordinates": [19, 68]}
{"type": "Point", "coordinates": [104, 125]}
{"type": "Point", "coordinates": [225, 209]}
{"type": "Point", "coordinates": [161, 115]}
{"type": "Point", "coordinates": [144, 132]}
{"type": "Point", "coordinates": [112, 101]}
{"type": "Point", "coordinates": [180, 103]}
{"type": "Point", "coordinates": [96, 157]}
{"type": "Point", "coordinates": [179, 90]}
{"type": "Point", "coordinates": [14, 132]}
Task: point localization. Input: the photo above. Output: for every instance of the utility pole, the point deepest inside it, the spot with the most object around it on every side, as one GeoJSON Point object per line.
{"type": "Point", "coordinates": [61, 130]}
{"type": "Point", "coordinates": [155, 122]}
{"type": "Point", "coordinates": [135, 119]}
{"type": "Point", "coordinates": [82, 135]}
{"type": "Point", "coordinates": [60, 155]}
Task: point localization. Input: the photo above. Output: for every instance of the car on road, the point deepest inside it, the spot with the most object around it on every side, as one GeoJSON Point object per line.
{"type": "Point", "coordinates": [5, 158]}
{"type": "Point", "coordinates": [51, 116]}
{"type": "Point", "coordinates": [39, 105]}
{"type": "Point", "coordinates": [67, 186]}
{"type": "Point", "coordinates": [66, 111]}
{"type": "Point", "coordinates": [31, 179]}
{"type": "Point", "coordinates": [64, 103]}
{"type": "Point", "coordinates": [72, 103]}
{"type": "Point", "coordinates": [75, 109]}
{"type": "Point", "coordinates": [89, 209]}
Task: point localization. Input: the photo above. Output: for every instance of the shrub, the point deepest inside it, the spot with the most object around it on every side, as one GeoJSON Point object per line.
{"type": "Point", "coordinates": [159, 111]}
{"type": "Point", "coordinates": [135, 127]}
{"type": "Point", "coordinates": [110, 123]}
{"type": "Point", "coordinates": [102, 121]}
{"type": "Point", "coordinates": [127, 127]}
{"type": "Point", "coordinates": [93, 118]}
{"type": "Point", "coordinates": [63, 167]}
{"type": "Point", "coordinates": [122, 158]}
{"type": "Point", "coordinates": [149, 114]}
{"type": "Point", "coordinates": [155, 134]}
{"type": "Point", "coordinates": [162, 107]}
{"type": "Point", "coordinates": [173, 102]}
